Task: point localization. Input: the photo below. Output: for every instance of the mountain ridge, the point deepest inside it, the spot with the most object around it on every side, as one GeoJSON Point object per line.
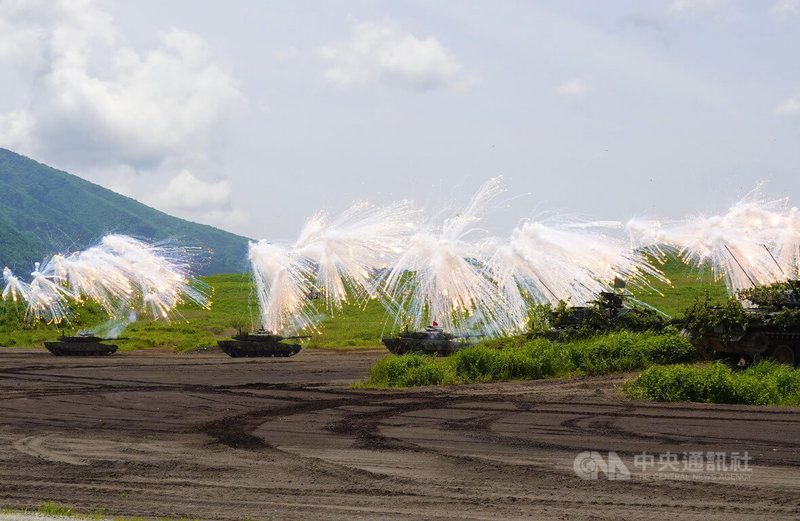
{"type": "Point", "coordinates": [44, 211]}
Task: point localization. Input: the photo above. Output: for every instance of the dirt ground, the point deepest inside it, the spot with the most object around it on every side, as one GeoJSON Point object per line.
{"type": "Point", "coordinates": [157, 434]}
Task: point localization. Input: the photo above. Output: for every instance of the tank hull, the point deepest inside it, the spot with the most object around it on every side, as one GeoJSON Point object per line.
{"type": "Point", "coordinates": [766, 325]}
{"type": "Point", "coordinates": [758, 342]}
{"type": "Point", "coordinates": [77, 348]}
{"type": "Point", "coordinates": [253, 348]}
{"type": "Point", "coordinates": [401, 345]}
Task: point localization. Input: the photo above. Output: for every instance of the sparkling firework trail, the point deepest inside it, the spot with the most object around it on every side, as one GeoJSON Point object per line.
{"type": "Point", "coordinates": [116, 274]}
{"type": "Point", "coordinates": [439, 277]}
{"type": "Point", "coordinates": [338, 259]}
{"type": "Point", "coordinates": [47, 300]}
{"type": "Point", "coordinates": [160, 273]}
{"type": "Point", "coordinates": [348, 250]}
{"type": "Point", "coordinates": [546, 262]}
{"type": "Point", "coordinates": [15, 289]}
{"type": "Point", "coordinates": [281, 283]}
{"type": "Point", "coordinates": [756, 242]}
{"type": "Point", "coordinates": [94, 274]}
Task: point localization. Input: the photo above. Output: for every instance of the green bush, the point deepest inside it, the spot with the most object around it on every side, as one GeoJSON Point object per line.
{"type": "Point", "coordinates": [501, 343]}
{"type": "Point", "coordinates": [476, 364]}
{"type": "Point", "coordinates": [730, 320]}
{"type": "Point", "coordinates": [670, 349]}
{"type": "Point", "coordinates": [766, 383]}
{"type": "Point", "coordinates": [510, 359]}
{"type": "Point", "coordinates": [407, 370]}
{"type": "Point", "coordinates": [627, 351]}
{"type": "Point", "coordinates": [622, 351]}
{"type": "Point", "coordinates": [427, 374]}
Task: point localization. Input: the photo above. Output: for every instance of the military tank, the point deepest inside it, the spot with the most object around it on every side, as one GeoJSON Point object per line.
{"type": "Point", "coordinates": [432, 341]}
{"type": "Point", "coordinates": [608, 313]}
{"type": "Point", "coordinates": [260, 344]}
{"type": "Point", "coordinates": [82, 344]}
{"type": "Point", "coordinates": [770, 328]}
{"type": "Point", "coordinates": [611, 306]}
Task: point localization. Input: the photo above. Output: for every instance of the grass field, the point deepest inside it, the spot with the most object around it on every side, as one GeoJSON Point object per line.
{"type": "Point", "coordinates": [49, 510]}
{"type": "Point", "coordinates": [231, 309]}
{"type": "Point", "coordinates": [687, 285]}
{"type": "Point", "coordinates": [354, 326]}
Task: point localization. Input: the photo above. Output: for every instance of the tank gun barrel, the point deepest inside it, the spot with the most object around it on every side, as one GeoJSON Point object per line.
{"type": "Point", "coordinates": [740, 265]}
{"type": "Point", "coordinates": [792, 282]}
{"type": "Point", "coordinates": [479, 334]}
{"type": "Point", "coordinates": [95, 339]}
{"type": "Point", "coordinates": [90, 338]}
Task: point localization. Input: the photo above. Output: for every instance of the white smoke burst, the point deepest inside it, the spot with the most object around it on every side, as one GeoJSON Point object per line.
{"type": "Point", "coordinates": [440, 276]}
{"type": "Point", "coordinates": [446, 271]}
{"type": "Point", "coordinates": [337, 259]}
{"type": "Point", "coordinates": [449, 271]}
{"type": "Point", "coordinates": [547, 262]}
{"type": "Point", "coordinates": [121, 274]}
{"type": "Point", "coordinates": [756, 242]}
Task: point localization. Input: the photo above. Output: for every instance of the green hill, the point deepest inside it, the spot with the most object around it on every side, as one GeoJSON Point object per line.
{"type": "Point", "coordinates": [45, 211]}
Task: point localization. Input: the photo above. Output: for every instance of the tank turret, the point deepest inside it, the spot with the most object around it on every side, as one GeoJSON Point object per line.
{"type": "Point", "coordinates": [433, 340]}
{"type": "Point", "coordinates": [82, 344]}
{"type": "Point", "coordinates": [260, 344]}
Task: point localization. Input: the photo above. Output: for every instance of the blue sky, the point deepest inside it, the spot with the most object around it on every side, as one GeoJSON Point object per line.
{"type": "Point", "coordinates": [251, 115]}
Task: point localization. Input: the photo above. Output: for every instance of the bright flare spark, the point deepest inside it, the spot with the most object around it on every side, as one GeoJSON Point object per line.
{"type": "Point", "coordinates": [115, 273]}
{"type": "Point", "coordinates": [756, 242]}
{"type": "Point", "coordinates": [339, 259]}
{"type": "Point", "coordinates": [440, 277]}
{"type": "Point", "coordinates": [15, 289]}
{"type": "Point", "coordinates": [47, 300]}
{"type": "Point", "coordinates": [551, 261]}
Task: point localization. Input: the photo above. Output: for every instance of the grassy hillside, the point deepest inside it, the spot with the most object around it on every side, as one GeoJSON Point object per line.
{"type": "Point", "coordinates": [22, 247]}
{"type": "Point", "coordinates": [687, 285]}
{"type": "Point", "coordinates": [232, 308]}
{"type": "Point", "coordinates": [44, 211]}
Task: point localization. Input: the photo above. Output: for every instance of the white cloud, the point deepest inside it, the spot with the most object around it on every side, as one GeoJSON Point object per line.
{"type": "Point", "coordinates": [16, 40]}
{"type": "Point", "coordinates": [652, 22]}
{"type": "Point", "coordinates": [700, 6]}
{"type": "Point", "coordinates": [573, 89]}
{"type": "Point", "coordinates": [189, 197]}
{"type": "Point", "coordinates": [789, 107]}
{"type": "Point", "coordinates": [94, 101]}
{"type": "Point", "coordinates": [15, 128]}
{"type": "Point", "coordinates": [383, 53]}
{"type": "Point", "coordinates": [228, 218]}
{"type": "Point", "coordinates": [784, 7]}
{"type": "Point", "coordinates": [72, 25]}
{"type": "Point", "coordinates": [187, 192]}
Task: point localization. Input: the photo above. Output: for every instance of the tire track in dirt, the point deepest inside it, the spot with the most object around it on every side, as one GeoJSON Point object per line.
{"type": "Point", "coordinates": [163, 434]}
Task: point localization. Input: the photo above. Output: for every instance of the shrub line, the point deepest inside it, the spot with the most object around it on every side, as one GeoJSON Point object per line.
{"type": "Point", "coordinates": [518, 358]}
